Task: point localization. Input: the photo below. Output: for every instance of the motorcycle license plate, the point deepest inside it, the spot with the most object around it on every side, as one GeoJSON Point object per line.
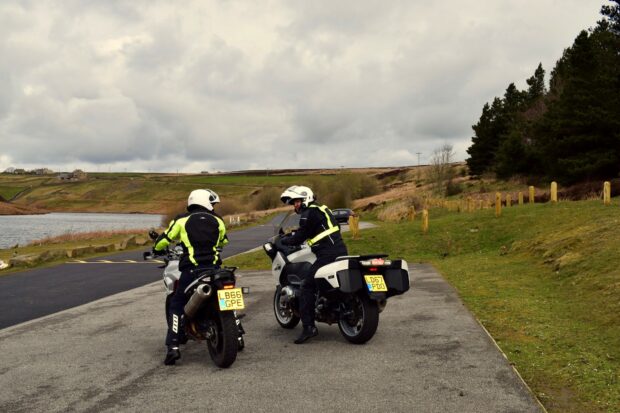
{"type": "Point", "coordinates": [375, 283]}
{"type": "Point", "coordinates": [230, 299]}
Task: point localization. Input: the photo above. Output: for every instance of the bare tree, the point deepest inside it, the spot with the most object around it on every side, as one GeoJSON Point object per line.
{"type": "Point", "coordinates": [441, 172]}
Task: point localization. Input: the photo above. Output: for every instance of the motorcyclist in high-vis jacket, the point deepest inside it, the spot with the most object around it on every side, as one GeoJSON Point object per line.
{"type": "Point", "coordinates": [319, 228]}
{"type": "Point", "coordinates": [202, 234]}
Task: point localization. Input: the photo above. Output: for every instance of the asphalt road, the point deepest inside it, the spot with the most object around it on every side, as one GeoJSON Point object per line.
{"type": "Point", "coordinates": [31, 294]}
{"type": "Point", "coordinates": [429, 355]}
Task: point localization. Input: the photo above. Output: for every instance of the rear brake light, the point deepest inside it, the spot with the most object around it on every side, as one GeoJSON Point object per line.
{"type": "Point", "coordinates": [229, 286]}
{"type": "Point", "coordinates": [372, 269]}
{"type": "Point", "coordinates": [376, 262]}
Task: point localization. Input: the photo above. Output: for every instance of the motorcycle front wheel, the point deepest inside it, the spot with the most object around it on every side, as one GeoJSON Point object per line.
{"type": "Point", "coordinates": [359, 320]}
{"type": "Point", "coordinates": [284, 313]}
{"type": "Point", "coordinates": [222, 338]}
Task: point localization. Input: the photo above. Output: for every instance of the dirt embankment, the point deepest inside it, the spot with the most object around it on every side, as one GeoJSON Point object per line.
{"type": "Point", "coordinates": [7, 208]}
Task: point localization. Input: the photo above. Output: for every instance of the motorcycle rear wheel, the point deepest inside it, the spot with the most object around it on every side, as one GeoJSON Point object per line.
{"type": "Point", "coordinates": [284, 314]}
{"type": "Point", "coordinates": [361, 325]}
{"type": "Point", "coordinates": [222, 339]}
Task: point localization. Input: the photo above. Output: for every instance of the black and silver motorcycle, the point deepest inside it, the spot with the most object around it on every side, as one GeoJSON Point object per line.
{"type": "Point", "coordinates": [211, 312]}
{"type": "Point", "coordinates": [351, 291]}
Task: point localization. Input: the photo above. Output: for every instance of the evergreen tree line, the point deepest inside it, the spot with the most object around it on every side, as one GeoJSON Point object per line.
{"type": "Point", "coordinates": [569, 132]}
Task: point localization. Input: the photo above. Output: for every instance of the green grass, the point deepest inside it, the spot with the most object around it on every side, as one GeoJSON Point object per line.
{"type": "Point", "coordinates": [8, 192]}
{"type": "Point", "coordinates": [251, 261]}
{"type": "Point", "coordinates": [543, 279]}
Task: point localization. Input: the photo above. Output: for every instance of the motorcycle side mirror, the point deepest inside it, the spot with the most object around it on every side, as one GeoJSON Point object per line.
{"type": "Point", "coordinates": [153, 235]}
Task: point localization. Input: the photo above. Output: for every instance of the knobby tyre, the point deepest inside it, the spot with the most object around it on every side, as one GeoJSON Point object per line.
{"type": "Point", "coordinates": [223, 341]}
{"type": "Point", "coordinates": [361, 320]}
{"type": "Point", "coordinates": [284, 314]}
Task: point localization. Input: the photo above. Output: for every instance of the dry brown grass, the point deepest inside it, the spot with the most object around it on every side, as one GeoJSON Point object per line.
{"type": "Point", "coordinates": [400, 210]}
{"type": "Point", "coordinates": [394, 213]}
{"type": "Point", "coordinates": [7, 208]}
{"type": "Point", "coordinates": [86, 236]}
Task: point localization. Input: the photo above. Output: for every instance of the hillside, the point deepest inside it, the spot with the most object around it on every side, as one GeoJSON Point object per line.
{"type": "Point", "coordinates": [159, 193]}
{"type": "Point", "coordinates": [251, 191]}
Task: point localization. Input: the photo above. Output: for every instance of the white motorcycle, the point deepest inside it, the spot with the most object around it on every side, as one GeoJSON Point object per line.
{"type": "Point", "coordinates": [211, 310]}
{"type": "Point", "coordinates": [351, 291]}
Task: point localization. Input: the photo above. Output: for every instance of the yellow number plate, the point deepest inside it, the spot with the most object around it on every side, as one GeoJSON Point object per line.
{"type": "Point", "coordinates": [375, 283]}
{"type": "Point", "coordinates": [230, 299]}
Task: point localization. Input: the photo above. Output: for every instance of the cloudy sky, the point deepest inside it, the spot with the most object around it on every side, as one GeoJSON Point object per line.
{"type": "Point", "coordinates": [229, 85]}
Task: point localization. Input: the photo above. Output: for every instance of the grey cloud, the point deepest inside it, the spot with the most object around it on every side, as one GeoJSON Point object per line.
{"type": "Point", "coordinates": [230, 85]}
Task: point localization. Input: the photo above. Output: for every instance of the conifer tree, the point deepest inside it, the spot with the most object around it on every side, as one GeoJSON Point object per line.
{"type": "Point", "coordinates": [579, 135]}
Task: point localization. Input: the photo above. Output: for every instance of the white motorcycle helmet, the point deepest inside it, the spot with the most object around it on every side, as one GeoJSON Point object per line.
{"type": "Point", "coordinates": [200, 197]}
{"type": "Point", "coordinates": [214, 198]}
{"type": "Point", "coordinates": [297, 192]}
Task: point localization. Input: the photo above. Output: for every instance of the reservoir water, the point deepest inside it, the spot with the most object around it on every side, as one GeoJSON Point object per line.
{"type": "Point", "coordinates": [22, 229]}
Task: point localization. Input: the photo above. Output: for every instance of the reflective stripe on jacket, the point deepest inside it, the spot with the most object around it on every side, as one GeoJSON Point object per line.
{"type": "Point", "coordinates": [331, 228]}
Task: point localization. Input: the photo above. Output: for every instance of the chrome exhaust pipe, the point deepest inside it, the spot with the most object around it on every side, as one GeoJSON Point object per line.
{"type": "Point", "coordinates": [203, 291]}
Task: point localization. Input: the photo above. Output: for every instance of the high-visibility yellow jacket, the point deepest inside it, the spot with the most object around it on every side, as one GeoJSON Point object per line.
{"type": "Point", "coordinates": [201, 234]}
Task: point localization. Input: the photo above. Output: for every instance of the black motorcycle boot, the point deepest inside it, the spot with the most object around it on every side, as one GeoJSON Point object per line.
{"type": "Point", "coordinates": [172, 356]}
{"type": "Point", "coordinates": [307, 333]}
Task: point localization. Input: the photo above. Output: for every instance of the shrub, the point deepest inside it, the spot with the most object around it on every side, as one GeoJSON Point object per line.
{"type": "Point", "coordinates": [453, 188]}
{"type": "Point", "coordinates": [394, 212]}
{"type": "Point", "coordinates": [343, 189]}
{"type": "Point", "coordinates": [230, 206]}
{"type": "Point", "coordinates": [267, 198]}
{"type": "Point", "coordinates": [178, 208]}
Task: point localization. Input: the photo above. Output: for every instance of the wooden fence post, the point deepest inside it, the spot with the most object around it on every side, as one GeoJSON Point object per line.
{"type": "Point", "coordinates": [520, 198]}
{"type": "Point", "coordinates": [425, 221]}
{"type": "Point", "coordinates": [411, 213]}
{"type": "Point", "coordinates": [554, 192]}
{"type": "Point", "coordinates": [354, 221]}
{"type": "Point", "coordinates": [531, 189]}
{"type": "Point", "coordinates": [498, 204]}
{"type": "Point", "coordinates": [607, 193]}
{"type": "Point", "coordinates": [508, 200]}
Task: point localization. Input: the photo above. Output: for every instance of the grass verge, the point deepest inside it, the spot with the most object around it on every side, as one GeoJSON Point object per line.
{"type": "Point", "coordinates": [543, 279]}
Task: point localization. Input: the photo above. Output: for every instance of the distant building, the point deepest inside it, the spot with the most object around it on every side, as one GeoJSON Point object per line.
{"type": "Point", "coordinates": [42, 171]}
{"type": "Point", "coordinates": [77, 175]}
{"type": "Point", "coordinates": [19, 171]}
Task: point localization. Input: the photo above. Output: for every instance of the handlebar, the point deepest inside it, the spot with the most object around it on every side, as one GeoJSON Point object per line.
{"type": "Point", "coordinates": [286, 249]}
{"type": "Point", "coordinates": [169, 254]}
{"type": "Point", "coordinates": [153, 235]}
